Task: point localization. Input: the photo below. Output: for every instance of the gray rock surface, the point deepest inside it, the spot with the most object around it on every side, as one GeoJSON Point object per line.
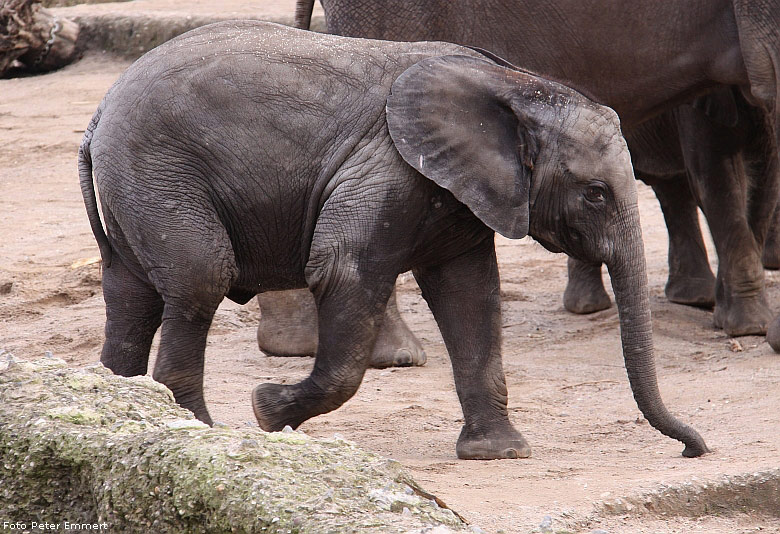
{"type": "Point", "coordinates": [85, 446]}
{"type": "Point", "coordinates": [66, 3]}
{"type": "Point", "coordinates": [752, 493]}
{"type": "Point", "coordinates": [129, 29]}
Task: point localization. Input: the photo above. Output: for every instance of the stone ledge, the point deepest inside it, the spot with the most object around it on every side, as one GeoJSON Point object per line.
{"type": "Point", "coordinates": [69, 3]}
{"type": "Point", "coordinates": [85, 446]}
{"type": "Point", "coordinates": [130, 35]}
{"type": "Point", "coordinates": [753, 493]}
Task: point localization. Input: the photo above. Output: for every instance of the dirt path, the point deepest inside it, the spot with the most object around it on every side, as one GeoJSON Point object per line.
{"type": "Point", "coordinates": [567, 387]}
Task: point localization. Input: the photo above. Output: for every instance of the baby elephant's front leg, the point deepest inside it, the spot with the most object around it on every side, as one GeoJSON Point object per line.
{"type": "Point", "coordinates": [463, 295]}
{"type": "Point", "coordinates": [349, 316]}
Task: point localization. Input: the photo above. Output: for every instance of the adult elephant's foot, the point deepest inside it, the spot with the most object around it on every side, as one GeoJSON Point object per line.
{"type": "Point", "coordinates": [288, 323]}
{"type": "Point", "coordinates": [770, 258]}
{"type": "Point", "coordinates": [696, 291]}
{"type": "Point", "coordinates": [690, 281]}
{"type": "Point", "coordinates": [503, 442]}
{"type": "Point", "coordinates": [288, 327]}
{"type": "Point", "coordinates": [585, 291]}
{"type": "Point", "coordinates": [773, 335]}
{"type": "Point", "coordinates": [743, 316]}
{"type": "Point", "coordinates": [395, 345]}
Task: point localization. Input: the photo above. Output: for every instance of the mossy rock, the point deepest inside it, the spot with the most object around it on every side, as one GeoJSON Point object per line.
{"type": "Point", "coordinates": [86, 446]}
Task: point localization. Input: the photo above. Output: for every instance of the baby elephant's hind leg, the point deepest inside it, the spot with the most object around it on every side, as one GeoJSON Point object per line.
{"type": "Point", "coordinates": [133, 315]}
{"type": "Point", "coordinates": [199, 271]}
{"type": "Point", "coordinates": [180, 360]}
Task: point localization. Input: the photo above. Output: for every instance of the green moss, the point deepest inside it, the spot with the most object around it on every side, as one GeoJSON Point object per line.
{"type": "Point", "coordinates": [77, 416]}
{"type": "Point", "coordinates": [291, 438]}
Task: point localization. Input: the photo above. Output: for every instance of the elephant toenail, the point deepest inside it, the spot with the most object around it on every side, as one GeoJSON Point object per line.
{"type": "Point", "coordinates": [511, 454]}
{"type": "Point", "coordinates": [402, 357]}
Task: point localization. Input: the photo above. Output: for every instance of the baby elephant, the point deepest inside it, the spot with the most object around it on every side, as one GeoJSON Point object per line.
{"type": "Point", "coordinates": [245, 157]}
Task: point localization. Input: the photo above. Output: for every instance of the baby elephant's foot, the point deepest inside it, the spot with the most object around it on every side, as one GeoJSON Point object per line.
{"type": "Point", "coordinates": [275, 407]}
{"type": "Point", "coordinates": [744, 317]}
{"type": "Point", "coordinates": [691, 291]}
{"type": "Point", "coordinates": [506, 443]}
{"type": "Point", "coordinates": [395, 345]}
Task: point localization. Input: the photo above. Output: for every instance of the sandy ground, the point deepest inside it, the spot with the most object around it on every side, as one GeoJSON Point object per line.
{"type": "Point", "coordinates": [568, 392]}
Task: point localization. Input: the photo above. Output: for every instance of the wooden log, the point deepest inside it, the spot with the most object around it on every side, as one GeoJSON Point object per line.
{"type": "Point", "coordinates": [34, 39]}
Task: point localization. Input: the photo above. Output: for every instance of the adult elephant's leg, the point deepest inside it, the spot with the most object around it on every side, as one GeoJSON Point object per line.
{"type": "Point", "coordinates": [770, 258]}
{"type": "Point", "coordinates": [288, 327]}
{"type": "Point", "coordinates": [717, 177]}
{"type": "Point", "coordinates": [585, 291]}
{"type": "Point", "coordinates": [133, 314]}
{"type": "Point", "coordinates": [463, 295]}
{"type": "Point", "coordinates": [765, 186]}
{"type": "Point", "coordinates": [658, 161]}
{"type": "Point", "coordinates": [288, 323]}
{"type": "Point", "coordinates": [395, 344]}
{"type": "Point", "coordinates": [758, 24]}
{"type": "Point", "coordinates": [690, 280]}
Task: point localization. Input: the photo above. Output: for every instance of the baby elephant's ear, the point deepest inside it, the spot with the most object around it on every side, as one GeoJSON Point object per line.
{"type": "Point", "coordinates": [451, 119]}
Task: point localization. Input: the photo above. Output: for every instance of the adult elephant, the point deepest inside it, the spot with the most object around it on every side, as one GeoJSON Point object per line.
{"type": "Point", "coordinates": [645, 60]}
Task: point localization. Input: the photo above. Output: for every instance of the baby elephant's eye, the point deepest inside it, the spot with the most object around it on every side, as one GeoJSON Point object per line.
{"type": "Point", "coordinates": [595, 193]}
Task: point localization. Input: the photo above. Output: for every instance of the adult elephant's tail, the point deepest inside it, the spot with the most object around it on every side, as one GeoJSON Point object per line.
{"type": "Point", "coordinates": [88, 191]}
{"type": "Point", "coordinates": [303, 11]}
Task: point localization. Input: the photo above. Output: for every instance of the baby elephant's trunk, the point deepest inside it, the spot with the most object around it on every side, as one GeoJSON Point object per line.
{"type": "Point", "coordinates": [629, 282]}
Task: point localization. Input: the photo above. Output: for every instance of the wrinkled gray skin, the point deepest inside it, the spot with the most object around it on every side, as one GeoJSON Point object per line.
{"type": "Point", "coordinates": [725, 125]}
{"type": "Point", "coordinates": [245, 157]}
{"type": "Point", "coordinates": [289, 328]}
{"type": "Point", "coordinates": [642, 58]}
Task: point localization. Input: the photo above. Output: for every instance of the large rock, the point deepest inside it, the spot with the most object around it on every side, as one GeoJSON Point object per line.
{"type": "Point", "coordinates": [85, 446]}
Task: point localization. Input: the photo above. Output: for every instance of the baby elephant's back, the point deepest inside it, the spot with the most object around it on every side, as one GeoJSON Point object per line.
{"type": "Point", "coordinates": [231, 95]}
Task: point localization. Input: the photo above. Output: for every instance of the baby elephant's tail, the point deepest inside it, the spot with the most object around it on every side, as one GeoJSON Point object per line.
{"type": "Point", "coordinates": [88, 191]}
{"type": "Point", "coordinates": [303, 11]}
